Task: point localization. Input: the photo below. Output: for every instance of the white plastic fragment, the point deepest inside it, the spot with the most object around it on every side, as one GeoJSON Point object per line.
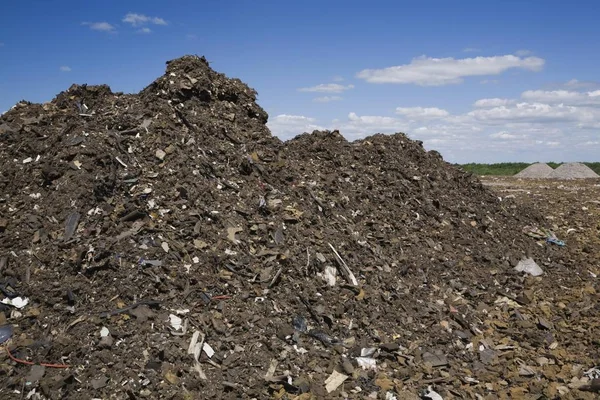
{"type": "Point", "coordinates": [17, 302]}
{"type": "Point", "coordinates": [300, 350]}
{"type": "Point", "coordinates": [27, 160]}
{"type": "Point", "coordinates": [194, 349]}
{"type": "Point", "coordinates": [432, 394]}
{"type": "Point", "coordinates": [367, 351]}
{"type": "Point", "coordinates": [271, 370]}
{"type": "Point", "coordinates": [104, 332]}
{"type": "Point", "coordinates": [345, 267]}
{"type": "Point", "coordinates": [165, 246]}
{"type": "Point", "coordinates": [208, 350]}
{"type": "Point", "coordinates": [176, 322]}
{"type": "Point", "coordinates": [367, 363]}
{"type": "Point", "coordinates": [330, 275]}
{"type": "Point", "coordinates": [334, 381]}
{"type": "Point", "coordinates": [529, 266]}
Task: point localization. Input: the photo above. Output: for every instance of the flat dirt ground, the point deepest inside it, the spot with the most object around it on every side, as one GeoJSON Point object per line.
{"type": "Point", "coordinates": [573, 209]}
{"type": "Point", "coordinates": [571, 205]}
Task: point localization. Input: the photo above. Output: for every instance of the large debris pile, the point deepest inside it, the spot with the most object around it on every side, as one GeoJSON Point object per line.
{"type": "Point", "coordinates": [170, 247]}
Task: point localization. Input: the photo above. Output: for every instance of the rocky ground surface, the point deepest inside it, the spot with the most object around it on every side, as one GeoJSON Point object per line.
{"type": "Point", "coordinates": [165, 245]}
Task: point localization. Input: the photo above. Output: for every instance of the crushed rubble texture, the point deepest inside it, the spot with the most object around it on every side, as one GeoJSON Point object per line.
{"type": "Point", "coordinates": [573, 171]}
{"type": "Point", "coordinates": [133, 221]}
{"type": "Point", "coordinates": [536, 171]}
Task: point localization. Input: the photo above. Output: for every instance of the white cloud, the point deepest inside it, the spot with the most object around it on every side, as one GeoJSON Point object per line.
{"type": "Point", "coordinates": [563, 97]}
{"type": "Point", "coordinates": [327, 99]}
{"type": "Point", "coordinates": [471, 50]}
{"type": "Point", "coordinates": [427, 71]}
{"type": "Point", "coordinates": [505, 136]}
{"type": "Point", "coordinates": [65, 68]}
{"type": "Point", "coordinates": [100, 26]}
{"type": "Point", "coordinates": [523, 53]}
{"type": "Point", "coordinates": [338, 78]}
{"type": "Point", "coordinates": [141, 19]}
{"type": "Point", "coordinates": [422, 112]}
{"type": "Point", "coordinates": [327, 88]}
{"type": "Point", "coordinates": [287, 126]}
{"type": "Point", "coordinates": [525, 112]}
{"type": "Point", "coordinates": [494, 102]}
{"type": "Point", "coordinates": [490, 81]}
{"type": "Point", "coordinates": [145, 30]}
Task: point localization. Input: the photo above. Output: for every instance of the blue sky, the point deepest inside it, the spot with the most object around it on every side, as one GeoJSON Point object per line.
{"type": "Point", "coordinates": [483, 81]}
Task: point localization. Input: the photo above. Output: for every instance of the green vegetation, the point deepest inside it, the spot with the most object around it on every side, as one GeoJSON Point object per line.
{"type": "Point", "coordinates": [507, 169]}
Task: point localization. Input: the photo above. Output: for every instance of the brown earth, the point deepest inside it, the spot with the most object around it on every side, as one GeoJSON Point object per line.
{"type": "Point", "coordinates": [177, 205]}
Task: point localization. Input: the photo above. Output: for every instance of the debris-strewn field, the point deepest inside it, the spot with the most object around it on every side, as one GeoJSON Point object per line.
{"type": "Point", "coordinates": [165, 245]}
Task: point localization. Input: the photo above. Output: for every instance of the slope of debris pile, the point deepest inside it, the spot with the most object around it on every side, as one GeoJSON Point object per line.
{"type": "Point", "coordinates": [170, 247]}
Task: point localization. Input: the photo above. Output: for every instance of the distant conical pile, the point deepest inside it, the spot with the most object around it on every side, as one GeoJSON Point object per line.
{"type": "Point", "coordinates": [536, 171]}
{"type": "Point", "coordinates": [573, 171]}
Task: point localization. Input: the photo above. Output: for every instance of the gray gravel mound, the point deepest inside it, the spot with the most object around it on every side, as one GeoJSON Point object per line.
{"type": "Point", "coordinates": [536, 171]}
{"type": "Point", "coordinates": [573, 171]}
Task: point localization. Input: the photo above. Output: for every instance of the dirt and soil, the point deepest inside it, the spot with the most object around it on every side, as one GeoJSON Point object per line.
{"type": "Point", "coordinates": [136, 224]}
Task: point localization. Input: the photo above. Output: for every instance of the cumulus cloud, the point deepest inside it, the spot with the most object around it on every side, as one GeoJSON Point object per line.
{"type": "Point", "coordinates": [327, 99]}
{"type": "Point", "coordinates": [65, 68]}
{"type": "Point", "coordinates": [145, 30]}
{"type": "Point", "coordinates": [427, 71]}
{"type": "Point", "coordinates": [505, 136]}
{"type": "Point", "coordinates": [525, 112]}
{"type": "Point", "coordinates": [494, 102]}
{"type": "Point", "coordinates": [140, 19]}
{"type": "Point", "coordinates": [100, 26]}
{"type": "Point", "coordinates": [422, 112]}
{"type": "Point", "coordinates": [563, 97]}
{"type": "Point", "coordinates": [327, 88]}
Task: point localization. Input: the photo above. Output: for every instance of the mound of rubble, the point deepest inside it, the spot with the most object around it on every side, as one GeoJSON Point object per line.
{"type": "Point", "coordinates": [167, 246]}
{"type": "Point", "coordinates": [573, 171]}
{"type": "Point", "coordinates": [536, 171]}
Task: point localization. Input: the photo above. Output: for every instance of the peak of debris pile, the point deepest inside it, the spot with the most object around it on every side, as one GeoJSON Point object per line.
{"type": "Point", "coordinates": [221, 262]}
